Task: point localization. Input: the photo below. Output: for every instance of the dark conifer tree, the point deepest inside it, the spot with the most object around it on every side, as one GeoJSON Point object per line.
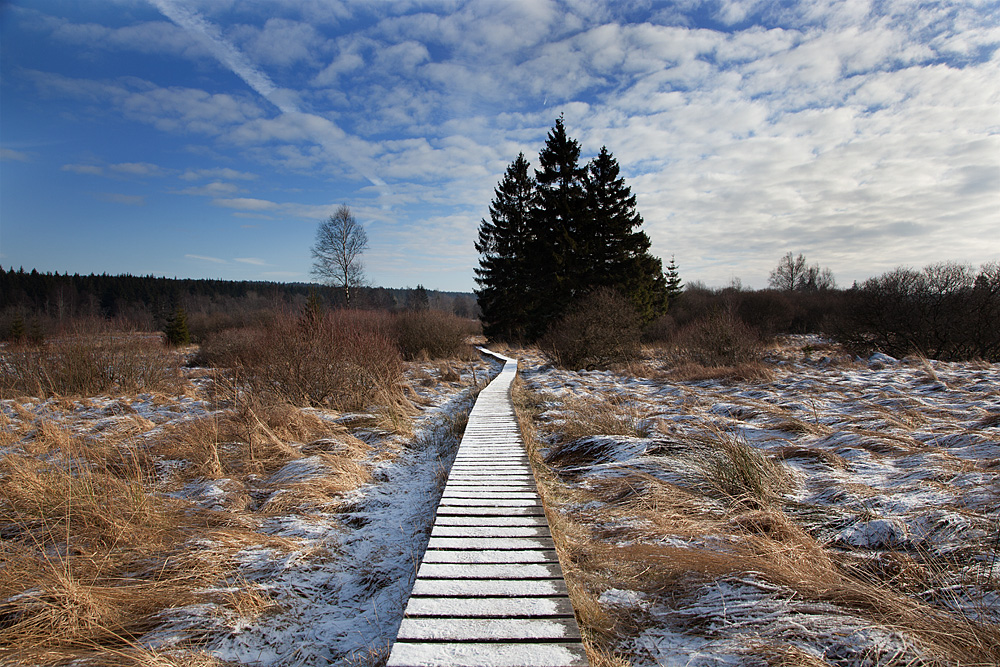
{"type": "Point", "coordinates": [674, 285]}
{"type": "Point", "coordinates": [562, 244]}
{"type": "Point", "coordinates": [618, 249]}
{"type": "Point", "coordinates": [555, 239]}
{"type": "Point", "coordinates": [503, 275]}
{"type": "Point", "coordinates": [176, 330]}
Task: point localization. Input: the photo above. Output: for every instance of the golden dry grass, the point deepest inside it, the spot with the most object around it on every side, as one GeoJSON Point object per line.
{"type": "Point", "coordinates": [93, 553]}
{"type": "Point", "coordinates": [604, 415]}
{"type": "Point", "coordinates": [622, 546]}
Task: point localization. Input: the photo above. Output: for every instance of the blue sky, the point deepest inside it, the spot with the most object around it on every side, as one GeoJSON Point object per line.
{"type": "Point", "coordinates": [197, 138]}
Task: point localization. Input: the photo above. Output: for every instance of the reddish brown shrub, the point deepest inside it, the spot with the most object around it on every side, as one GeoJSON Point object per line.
{"type": "Point", "coordinates": [344, 360]}
{"type": "Point", "coordinates": [433, 334]}
{"type": "Point", "coordinates": [602, 329]}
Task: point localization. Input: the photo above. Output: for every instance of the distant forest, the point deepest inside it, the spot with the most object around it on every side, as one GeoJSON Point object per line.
{"type": "Point", "coordinates": [52, 301]}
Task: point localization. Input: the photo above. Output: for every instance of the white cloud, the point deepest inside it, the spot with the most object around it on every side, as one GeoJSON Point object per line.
{"type": "Point", "coordinates": [10, 154]}
{"type": "Point", "coordinates": [88, 169]}
{"type": "Point", "coordinates": [203, 258]}
{"type": "Point", "coordinates": [213, 189]}
{"type": "Point", "coordinates": [187, 110]}
{"type": "Point", "coordinates": [256, 261]}
{"type": "Point", "coordinates": [138, 169]}
{"type": "Point", "coordinates": [246, 204]}
{"type": "Point", "coordinates": [223, 173]}
{"type": "Point", "coordinates": [281, 42]}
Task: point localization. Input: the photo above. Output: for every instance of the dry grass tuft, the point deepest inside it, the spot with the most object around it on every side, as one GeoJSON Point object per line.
{"type": "Point", "coordinates": [90, 363]}
{"type": "Point", "coordinates": [787, 656]}
{"type": "Point", "coordinates": [738, 472]}
{"type": "Point", "coordinates": [824, 456]}
{"type": "Point", "coordinates": [988, 420]}
{"type": "Point", "coordinates": [87, 547]}
{"type": "Point", "coordinates": [693, 371]}
{"type": "Point", "coordinates": [605, 415]}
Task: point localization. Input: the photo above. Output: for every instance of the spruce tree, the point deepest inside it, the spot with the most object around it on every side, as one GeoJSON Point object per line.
{"type": "Point", "coordinates": [503, 275]}
{"type": "Point", "coordinates": [559, 250]}
{"type": "Point", "coordinates": [674, 285]}
{"type": "Point", "coordinates": [554, 239]}
{"type": "Point", "coordinates": [177, 330]}
{"type": "Point", "coordinates": [618, 254]}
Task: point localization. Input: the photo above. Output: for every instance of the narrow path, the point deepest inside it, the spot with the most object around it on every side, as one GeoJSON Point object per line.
{"type": "Point", "coordinates": [489, 591]}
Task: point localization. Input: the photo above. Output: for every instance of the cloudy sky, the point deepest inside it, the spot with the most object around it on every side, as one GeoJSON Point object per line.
{"type": "Point", "coordinates": [198, 138]}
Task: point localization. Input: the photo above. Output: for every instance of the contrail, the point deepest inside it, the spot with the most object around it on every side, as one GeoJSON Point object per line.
{"type": "Point", "coordinates": [229, 56]}
{"type": "Point", "coordinates": [224, 52]}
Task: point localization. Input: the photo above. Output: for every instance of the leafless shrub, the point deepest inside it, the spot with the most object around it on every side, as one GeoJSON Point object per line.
{"type": "Point", "coordinates": [88, 364]}
{"type": "Point", "coordinates": [946, 311]}
{"type": "Point", "coordinates": [433, 334]}
{"type": "Point", "coordinates": [720, 340]}
{"type": "Point", "coordinates": [346, 360]}
{"type": "Point", "coordinates": [602, 329]}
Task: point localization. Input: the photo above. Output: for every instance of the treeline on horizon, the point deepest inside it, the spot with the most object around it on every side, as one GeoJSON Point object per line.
{"type": "Point", "coordinates": [46, 302]}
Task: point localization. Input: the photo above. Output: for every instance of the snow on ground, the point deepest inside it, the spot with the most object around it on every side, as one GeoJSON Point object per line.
{"type": "Point", "coordinates": [330, 577]}
{"type": "Point", "coordinates": [894, 468]}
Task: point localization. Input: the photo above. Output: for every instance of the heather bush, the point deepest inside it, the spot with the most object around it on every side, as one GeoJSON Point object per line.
{"type": "Point", "coordinates": [346, 360]}
{"type": "Point", "coordinates": [432, 334]}
{"type": "Point", "coordinates": [722, 339]}
{"type": "Point", "coordinates": [89, 363]}
{"type": "Point", "coordinates": [602, 329]}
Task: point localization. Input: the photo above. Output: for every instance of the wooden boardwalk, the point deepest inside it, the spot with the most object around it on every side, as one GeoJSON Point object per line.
{"type": "Point", "coordinates": [489, 591]}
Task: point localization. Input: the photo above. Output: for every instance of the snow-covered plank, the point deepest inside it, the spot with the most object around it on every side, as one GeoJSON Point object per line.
{"type": "Point", "coordinates": [492, 629]}
{"type": "Point", "coordinates": [535, 510]}
{"type": "Point", "coordinates": [486, 607]}
{"type": "Point", "coordinates": [489, 571]}
{"type": "Point", "coordinates": [490, 543]}
{"type": "Point", "coordinates": [483, 476]}
{"type": "Point", "coordinates": [452, 520]}
{"type": "Point", "coordinates": [474, 654]}
{"type": "Point", "coordinates": [490, 502]}
{"type": "Point", "coordinates": [490, 531]}
{"type": "Point", "coordinates": [490, 556]}
{"type": "Point", "coordinates": [499, 485]}
{"type": "Point", "coordinates": [501, 587]}
{"type": "Point", "coordinates": [465, 492]}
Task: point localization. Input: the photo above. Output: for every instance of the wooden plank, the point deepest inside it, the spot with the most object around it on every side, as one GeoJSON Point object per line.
{"type": "Point", "coordinates": [465, 492]}
{"type": "Point", "coordinates": [490, 531]}
{"type": "Point", "coordinates": [475, 654]}
{"type": "Point", "coordinates": [489, 571]}
{"type": "Point", "coordinates": [489, 556]}
{"type": "Point", "coordinates": [478, 510]}
{"type": "Point", "coordinates": [491, 543]}
{"type": "Point", "coordinates": [485, 607]}
{"type": "Point", "coordinates": [490, 502]}
{"type": "Point", "coordinates": [452, 520]}
{"type": "Point", "coordinates": [487, 629]}
{"type": "Point", "coordinates": [479, 587]}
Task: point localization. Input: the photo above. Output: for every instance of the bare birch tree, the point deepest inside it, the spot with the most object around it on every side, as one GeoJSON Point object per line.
{"type": "Point", "coordinates": [340, 240]}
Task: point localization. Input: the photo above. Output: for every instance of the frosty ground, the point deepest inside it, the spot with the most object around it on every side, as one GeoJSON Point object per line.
{"type": "Point", "coordinates": [833, 511]}
{"type": "Point", "coordinates": [315, 533]}
{"type": "Point", "coordinates": [836, 511]}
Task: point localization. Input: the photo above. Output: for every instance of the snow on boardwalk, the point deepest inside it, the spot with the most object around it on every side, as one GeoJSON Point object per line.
{"type": "Point", "coordinates": [489, 591]}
